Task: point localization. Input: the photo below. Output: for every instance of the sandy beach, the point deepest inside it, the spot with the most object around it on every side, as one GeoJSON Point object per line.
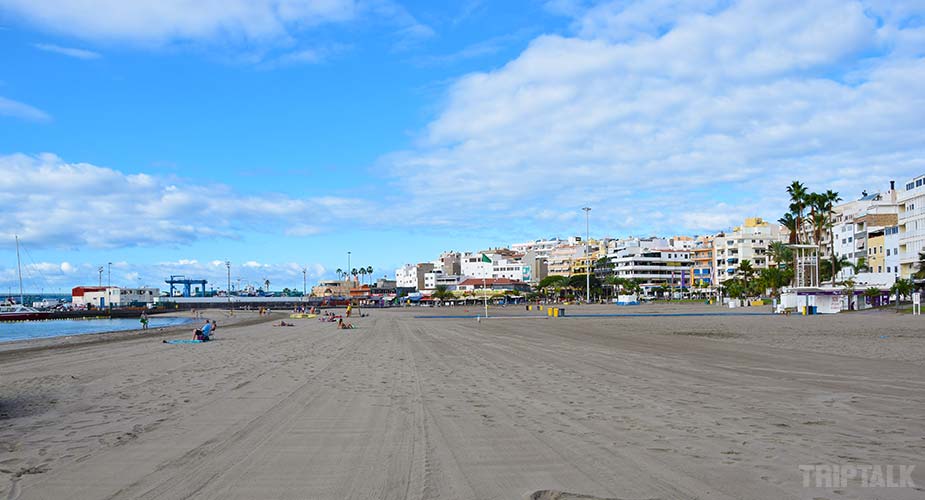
{"type": "Point", "coordinates": [649, 407]}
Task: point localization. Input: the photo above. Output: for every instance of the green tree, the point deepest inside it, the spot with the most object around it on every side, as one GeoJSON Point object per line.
{"type": "Point", "coordinates": [798, 200]}
{"type": "Point", "coordinates": [266, 283]}
{"type": "Point", "coordinates": [860, 266]}
{"type": "Point", "coordinates": [339, 273]}
{"type": "Point", "coordinates": [746, 271]}
{"type": "Point", "coordinates": [781, 254]}
{"type": "Point", "coordinates": [774, 278]}
{"type": "Point", "coordinates": [442, 293]}
{"type": "Point", "coordinates": [554, 283]}
{"type": "Point", "coordinates": [578, 282]}
{"type": "Point", "coordinates": [848, 286]}
{"type": "Point", "coordinates": [369, 272]}
{"type": "Point", "coordinates": [920, 266]}
{"type": "Point", "coordinates": [902, 288]}
{"type": "Point", "coordinates": [829, 199]}
{"type": "Point", "coordinates": [871, 293]}
{"type": "Point", "coordinates": [735, 288]}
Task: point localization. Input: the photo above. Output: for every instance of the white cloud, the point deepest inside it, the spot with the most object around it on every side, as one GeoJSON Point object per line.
{"type": "Point", "coordinates": [162, 21]}
{"type": "Point", "coordinates": [16, 109]}
{"type": "Point", "coordinates": [268, 32]}
{"type": "Point", "coordinates": [68, 51]}
{"type": "Point", "coordinates": [85, 205]}
{"type": "Point", "coordinates": [686, 101]}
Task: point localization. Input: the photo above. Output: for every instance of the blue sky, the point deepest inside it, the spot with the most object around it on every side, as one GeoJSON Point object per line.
{"type": "Point", "coordinates": [167, 137]}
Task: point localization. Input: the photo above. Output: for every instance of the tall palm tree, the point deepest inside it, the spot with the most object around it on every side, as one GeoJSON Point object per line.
{"type": "Point", "coordinates": [369, 271]}
{"type": "Point", "coordinates": [830, 199]}
{"type": "Point", "coordinates": [747, 271]}
{"type": "Point", "coordinates": [339, 272]}
{"type": "Point", "coordinates": [266, 283]}
{"type": "Point", "coordinates": [354, 272]}
{"type": "Point", "coordinates": [798, 194]}
{"type": "Point", "coordinates": [363, 273]}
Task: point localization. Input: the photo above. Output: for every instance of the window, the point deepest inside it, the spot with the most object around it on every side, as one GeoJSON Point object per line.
{"type": "Point", "coordinates": [887, 268]}
{"type": "Point", "coordinates": [850, 239]}
{"type": "Point", "coordinates": [918, 182]}
{"type": "Point", "coordinates": [910, 186]}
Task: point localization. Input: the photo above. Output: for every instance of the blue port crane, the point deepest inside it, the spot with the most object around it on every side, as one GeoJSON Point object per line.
{"type": "Point", "coordinates": [179, 279]}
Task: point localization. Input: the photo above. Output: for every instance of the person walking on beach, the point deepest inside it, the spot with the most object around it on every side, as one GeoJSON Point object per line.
{"type": "Point", "coordinates": [144, 320]}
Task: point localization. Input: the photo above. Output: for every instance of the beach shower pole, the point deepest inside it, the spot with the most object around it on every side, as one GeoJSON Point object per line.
{"type": "Point", "coordinates": [588, 254]}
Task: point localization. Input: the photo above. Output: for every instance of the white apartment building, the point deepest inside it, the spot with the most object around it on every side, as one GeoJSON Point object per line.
{"type": "Point", "coordinates": [750, 241]}
{"type": "Point", "coordinates": [437, 277]}
{"type": "Point", "coordinates": [114, 296]}
{"type": "Point", "coordinates": [853, 220]}
{"type": "Point", "coordinates": [540, 248]}
{"type": "Point", "coordinates": [473, 265]}
{"type": "Point", "coordinates": [560, 259]}
{"type": "Point", "coordinates": [654, 267]}
{"type": "Point", "coordinates": [412, 275]}
{"type": "Point", "coordinates": [911, 201]}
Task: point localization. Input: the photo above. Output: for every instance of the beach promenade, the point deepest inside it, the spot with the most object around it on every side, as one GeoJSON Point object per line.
{"type": "Point", "coordinates": [674, 407]}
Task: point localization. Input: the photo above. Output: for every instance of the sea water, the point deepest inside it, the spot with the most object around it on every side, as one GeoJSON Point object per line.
{"type": "Point", "coordinates": [22, 330]}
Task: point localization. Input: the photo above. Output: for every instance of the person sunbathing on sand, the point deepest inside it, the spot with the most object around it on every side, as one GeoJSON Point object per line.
{"type": "Point", "coordinates": [283, 323]}
{"type": "Point", "coordinates": [343, 326]}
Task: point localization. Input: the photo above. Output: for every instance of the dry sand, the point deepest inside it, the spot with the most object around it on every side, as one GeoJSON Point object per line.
{"type": "Point", "coordinates": [609, 407]}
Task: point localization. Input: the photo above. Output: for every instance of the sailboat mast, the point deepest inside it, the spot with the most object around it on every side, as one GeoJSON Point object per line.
{"type": "Point", "coordinates": [19, 268]}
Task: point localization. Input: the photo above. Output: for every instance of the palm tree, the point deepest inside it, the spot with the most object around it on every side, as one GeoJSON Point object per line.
{"type": "Point", "coordinates": [442, 293]}
{"type": "Point", "coordinates": [369, 271]}
{"type": "Point", "coordinates": [747, 271]}
{"type": "Point", "coordinates": [354, 272]}
{"type": "Point", "coordinates": [780, 253]}
{"type": "Point", "coordinates": [339, 272]}
{"type": "Point", "coordinates": [266, 283]}
{"type": "Point", "coordinates": [902, 288]}
{"type": "Point", "coordinates": [774, 278]}
{"type": "Point", "coordinates": [614, 282]}
{"type": "Point", "coordinates": [363, 273]}
{"type": "Point", "coordinates": [798, 194]}
{"type": "Point", "coordinates": [860, 266]}
{"type": "Point", "coordinates": [830, 198]}
{"type": "Point", "coordinates": [920, 273]}
{"type": "Point", "coordinates": [872, 293]}
{"type": "Point", "coordinates": [848, 285]}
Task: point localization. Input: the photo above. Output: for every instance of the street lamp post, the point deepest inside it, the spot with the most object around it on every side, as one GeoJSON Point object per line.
{"type": "Point", "coordinates": [588, 254]}
{"type": "Point", "coordinates": [101, 276]}
{"type": "Point", "coordinates": [109, 286]}
{"type": "Point", "coordinates": [304, 281]}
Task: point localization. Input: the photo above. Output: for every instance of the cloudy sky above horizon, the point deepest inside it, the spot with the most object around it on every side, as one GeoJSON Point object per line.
{"type": "Point", "coordinates": [169, 136]}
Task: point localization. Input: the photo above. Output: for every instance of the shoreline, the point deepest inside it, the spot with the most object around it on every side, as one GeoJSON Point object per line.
{"type": "Point", "coordinates": [23, 346]}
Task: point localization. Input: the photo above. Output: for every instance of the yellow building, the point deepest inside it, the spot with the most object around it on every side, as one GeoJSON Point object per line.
{"type": "Point", "coordinates": [875, 251]}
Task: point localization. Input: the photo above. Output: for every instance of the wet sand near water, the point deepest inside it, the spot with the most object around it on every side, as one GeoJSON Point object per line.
{"type": "Point", "coordinates": [712, 407]}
